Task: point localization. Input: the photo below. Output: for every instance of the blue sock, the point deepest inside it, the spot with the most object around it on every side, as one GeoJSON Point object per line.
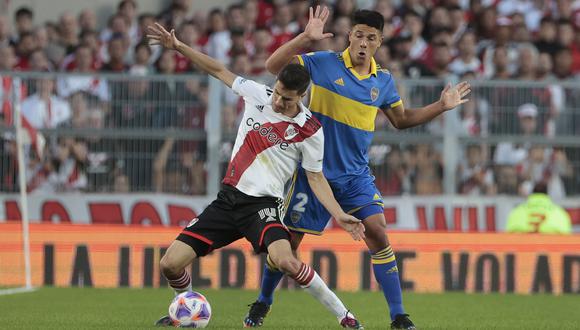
{"type": "Point", "coordinates": [270, 279]}
{"type": "Point", "coordinates": [387, 274]}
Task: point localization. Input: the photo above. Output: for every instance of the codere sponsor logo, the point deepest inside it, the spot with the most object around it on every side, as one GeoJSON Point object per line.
{"type": "Point", "coordinates": [266, 132]}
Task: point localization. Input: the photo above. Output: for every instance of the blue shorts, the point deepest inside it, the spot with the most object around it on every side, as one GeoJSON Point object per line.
{"type": "Point", "coordinates": [359, 197]}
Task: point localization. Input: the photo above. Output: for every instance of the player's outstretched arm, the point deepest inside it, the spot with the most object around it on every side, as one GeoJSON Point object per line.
{"type": "Point", "coordinates": [322, 190]}
{"type": "Point", "coordinates": [158, 35]}
{"type": "Point", "coordinates": [451, 97]}
{"type": "Point", "coordinates": [312, 32]}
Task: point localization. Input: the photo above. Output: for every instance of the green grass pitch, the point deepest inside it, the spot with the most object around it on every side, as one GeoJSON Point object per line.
{"type": "Point", "coordinates": [56, 308]}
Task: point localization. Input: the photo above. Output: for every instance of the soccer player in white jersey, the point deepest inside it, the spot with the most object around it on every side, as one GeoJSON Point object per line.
{"type": "Point", "coordinates": [276, 133]}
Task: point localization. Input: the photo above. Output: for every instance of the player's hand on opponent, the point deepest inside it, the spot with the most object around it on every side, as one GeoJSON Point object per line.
{"type": "Point", "coordinates": [352, 225]}
{"type": "Point", "coordinates": [158, 35]}
{"type": "Point", "coordinates": [454, 96]}
{"type": "Point", "coordinates": [315, 27]}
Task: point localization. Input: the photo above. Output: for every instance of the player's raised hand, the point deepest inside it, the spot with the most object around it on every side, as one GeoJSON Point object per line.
{"type": "Point", "coordinates": [158, 35]}
{"type": "Point", "coordinates": [352, 225]}
{"type": "Point", "coordinates": [314, 30]}
{"type": "Point", "coordinates": [454, 96]}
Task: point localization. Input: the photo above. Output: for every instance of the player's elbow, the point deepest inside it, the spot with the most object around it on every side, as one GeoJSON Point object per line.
{"type": "Point", "coordinates": [271, 66]}
{"type": "Point", "coordinates": [314, 178]}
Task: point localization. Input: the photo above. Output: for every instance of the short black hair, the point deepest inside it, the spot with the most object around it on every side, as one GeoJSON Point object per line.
{"type": "Point", "coordinates": [24, 12]}
{"type": "Point", "coordinates": [295, 77]}
{"type": "Point", "coordinates": [540, 188]}
{"type": "Point", "coordinates": [369, 17]}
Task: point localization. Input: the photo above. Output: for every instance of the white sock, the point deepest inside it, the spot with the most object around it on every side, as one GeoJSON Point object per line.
{"type": "Point", "coordinates": [319, 290]}
{"type": "Point", "coordinates": [181, 284]}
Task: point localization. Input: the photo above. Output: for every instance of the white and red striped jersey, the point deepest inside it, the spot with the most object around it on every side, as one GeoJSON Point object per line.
{"type": "Point", "coordinates": [269, 145]}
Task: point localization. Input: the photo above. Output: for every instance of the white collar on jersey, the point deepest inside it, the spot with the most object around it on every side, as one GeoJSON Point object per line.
{"type": "Point", "coordinates": [299, 119]}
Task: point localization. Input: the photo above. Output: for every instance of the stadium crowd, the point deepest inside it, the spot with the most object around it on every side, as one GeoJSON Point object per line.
{"type": "Point", "coordinates": [477, 40]}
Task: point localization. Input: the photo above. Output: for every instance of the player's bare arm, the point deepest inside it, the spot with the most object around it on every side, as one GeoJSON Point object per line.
{"type": "Point", "coordinates": [158, 35]}
{"type": "Point", "coordinates": [451, 97]}
{"type": "Point", "coordinates": [322, 190]}
{"type": "Point", "coordinates": [313, 31]}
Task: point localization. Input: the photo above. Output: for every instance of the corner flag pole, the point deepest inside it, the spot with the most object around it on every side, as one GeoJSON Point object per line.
{"type": "Point", "coordinates": [22, 181]}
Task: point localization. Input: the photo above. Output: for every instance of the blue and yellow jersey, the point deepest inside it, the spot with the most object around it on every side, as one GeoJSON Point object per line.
{"type": "Point", "coordinates": [346, 104]}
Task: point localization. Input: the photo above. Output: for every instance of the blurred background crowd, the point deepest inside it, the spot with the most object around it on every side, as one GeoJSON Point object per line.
{"type": "Point", "coordinates": [525, 55]}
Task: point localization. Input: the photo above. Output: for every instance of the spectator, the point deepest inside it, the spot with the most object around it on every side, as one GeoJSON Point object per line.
{"type": "Point", "coordinates": [69, 163]}
{"type": "Point", "coordinates": [128, 9]}
{"type": "Point", "coordinates": [7, 58]}
{"type": "Point", "coordinates": [87, 20]}
{"type": "Point", "coordinates": [24, 18]}
{"type": "Point", "coordinates": [118, 28]}
{"type": "Point", "coordinates": [117, 50]}
{"type": "Point", "coordinates": [188, 33]}
{"type": "Point", "coordinates": [500, 67]}
{"type": "Point", "coordinates": [68, 32]}
{"type": "Point", "coordinates": [428, 172]}
{"type": "Point", "coordinates": [414, 25]}
{"type": "Point", "coordinates": [143, 21]}
{"type": "Point", "coordinates": [39, 61]}
{"type": "Point", "coordinates": [24, 48]}
{"type": "Point", "coordinates": [142, 57]}
{"type": "Point", "coordinates": [94, 86]}
{"type": "Point", "coordinates": [528, 63]}
{"type": "Point", "coordinates": [457, 20]}
{"type": "Point", "coordinates": [508, 153]}
{"type": "Point", "coordinates": [284, 28]}
{"type": "Point", "coordinates": [506, 179]}
{"type": "Point", "coordinates": [4, 31]}
{"type": "Point", "coordinates": [475, 175]}
{"type": "Point", "coordinates": [41, 37]}
{"type": "Point", "coordinates": [474, 114]}
{"type": "Point", "coordinates": [466, 60]}
{"type": "Point", "coordinates": [91, 40]}
{"type": "Point", "coordinates": [219, 41]}
{"type": "Point", "coordinates": [503, 38]}
{"type": "Point", "coordinates": [544, 165]}
{"type": "Point", "coordinates": [546, 40]}
{"type": "Point", "coordinates": [563, 63]}
{"type": "Point", "coordinates": [236, 19]}
{"type": "Point", "coordinates": [539, 214]}
{"type": "Point", "coordinates": [565, 33]}
{"type": "Point", "coordinates": [44, 109]}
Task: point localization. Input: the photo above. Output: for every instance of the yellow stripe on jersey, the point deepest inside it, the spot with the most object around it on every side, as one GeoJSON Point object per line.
{"type": "Point", "coordinates": [343, 109]}
{"type": "Point", "coordinates": [290, 193]}
{"type": "Point", "coordinates": [300, 59]}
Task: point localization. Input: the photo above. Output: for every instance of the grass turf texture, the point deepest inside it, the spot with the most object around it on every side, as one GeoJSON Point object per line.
{"type": "Point", "coordinates": [56, 308]}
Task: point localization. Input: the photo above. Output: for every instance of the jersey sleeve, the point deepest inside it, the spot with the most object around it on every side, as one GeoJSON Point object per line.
{"type": "Point", "coordinates": [249, 89]}
{"type": "Point", "coordinates": [314, 61]}
{"type": "Point", "coordinates": [392, 98]}
{"type": "Point", "coordinates": [313, 152]}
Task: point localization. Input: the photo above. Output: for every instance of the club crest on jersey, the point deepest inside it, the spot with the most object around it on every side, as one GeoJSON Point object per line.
{"type": "Point", "coordinates": [295, 216]}
{"type": "Point", "coordinates": [290, 132]}
{"type": "Point", "coordinates": [374, 93]}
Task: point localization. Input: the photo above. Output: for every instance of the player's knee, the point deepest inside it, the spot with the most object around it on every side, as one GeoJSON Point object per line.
{"type": "Point", "coordinates": [289, 265]}
{"type": "Point", "coordinates": [168, 266]}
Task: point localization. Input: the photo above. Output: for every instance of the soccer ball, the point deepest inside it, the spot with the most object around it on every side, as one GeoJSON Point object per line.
{"type": "Point", "coordinates": [190, 310]}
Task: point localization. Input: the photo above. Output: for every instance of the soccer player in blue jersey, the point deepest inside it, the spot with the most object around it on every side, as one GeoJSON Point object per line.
{"type": "Point", "coordinates": [348, 89]}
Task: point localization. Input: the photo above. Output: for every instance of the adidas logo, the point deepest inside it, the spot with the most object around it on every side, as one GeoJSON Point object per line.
{"type": "Point", "coordinates": [393, 269]}
{"type": "Point", "coordinates": [260, 108]}
{"type": "Point", "coordinates": [268, 214]}
{"type": "Point", "coordinates": [339, 82]}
